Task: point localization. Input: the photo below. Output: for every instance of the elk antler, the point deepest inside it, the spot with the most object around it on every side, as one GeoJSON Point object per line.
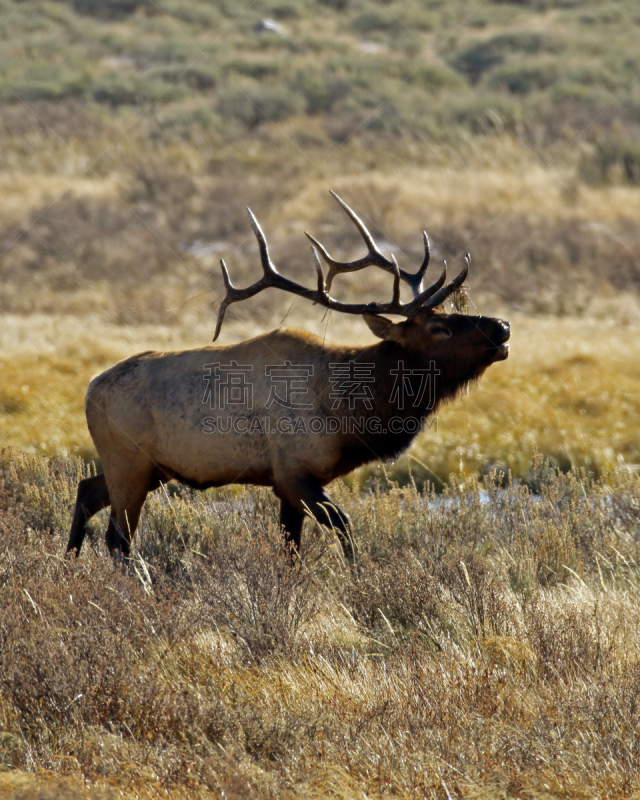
{"type": "Point", "coordinates": [374, 257]}
{"type": "Point", "coordinates": [429, 298]}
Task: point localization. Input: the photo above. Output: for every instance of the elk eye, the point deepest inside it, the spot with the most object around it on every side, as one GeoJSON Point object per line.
{"type": "Point", "coordinates": [441, 331]}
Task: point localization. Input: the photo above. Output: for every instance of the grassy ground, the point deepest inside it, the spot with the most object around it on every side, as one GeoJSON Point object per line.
{"type": "Point", "coordinates": [486, 647]}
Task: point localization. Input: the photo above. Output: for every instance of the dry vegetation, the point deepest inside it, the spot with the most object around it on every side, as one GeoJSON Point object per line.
{"type": "Point", "coordinates": [487, 645]}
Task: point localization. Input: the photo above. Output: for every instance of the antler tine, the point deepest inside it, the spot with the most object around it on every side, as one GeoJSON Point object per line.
{"type": "Point", "coordinates": [223, 305]}
{"type": "Point", "coordinates": [440, 296]}
{"type": "Point", "coordinates": [267, 265]}
{"type": "Point", "coordinates": [322, 288]}
{"type": "Point", "coordinates": [415, 280]}
{"type": "Point", "coordinates": [234, 295]}
{"type": "Point", "coordinates": [269, 278]}
{"type": "Point", "coordinates": [396, 283]}
{"type": "Point", "coordinates": [374, 257]}
{"type": "Point", "coordinates": [419, 302]}
{"type": "Point", "coordinates": [425, 263]}
{"type": "Point", "coordinates": [427, 293]}
{"type": "Point", "coordinates": [364, 231]}
{"type": "Point", "coordinates": [225, 276]}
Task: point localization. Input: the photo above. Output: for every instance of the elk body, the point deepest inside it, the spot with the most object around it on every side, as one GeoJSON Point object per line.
{"type": "Point", "coordinates": [283, 409]}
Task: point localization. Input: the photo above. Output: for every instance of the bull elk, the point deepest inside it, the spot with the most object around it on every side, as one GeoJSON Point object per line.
{"type": "Point", "coordinates": [283, 409]}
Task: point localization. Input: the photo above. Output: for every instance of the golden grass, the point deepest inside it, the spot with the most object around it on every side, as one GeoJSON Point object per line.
{"type": "Point", "coordinates": [570, 390]}
{"type": "Point", "coordinates": [23, 192]}
{"type": "Point", "coordinates": [498, 176]}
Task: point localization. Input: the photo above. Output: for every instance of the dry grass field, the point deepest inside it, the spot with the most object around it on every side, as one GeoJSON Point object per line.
{"type": "Point", "coordinates": [486, 645]}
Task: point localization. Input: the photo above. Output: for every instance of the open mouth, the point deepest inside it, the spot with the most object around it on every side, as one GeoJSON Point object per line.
{"type": "Point", "coordinates": [501, 352]}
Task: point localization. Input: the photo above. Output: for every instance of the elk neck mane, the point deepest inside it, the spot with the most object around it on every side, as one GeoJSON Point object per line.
{"type": "Point", "coordinates": [386, 355]}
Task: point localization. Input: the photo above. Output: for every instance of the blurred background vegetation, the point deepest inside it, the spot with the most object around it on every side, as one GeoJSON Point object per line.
{"type": "Point", "coordinates": [133, 133]}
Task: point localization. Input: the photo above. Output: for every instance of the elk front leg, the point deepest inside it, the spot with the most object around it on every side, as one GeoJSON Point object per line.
{"type": "Point", "coordinates": [327, 513]}
{"type": "Point", "coordinates": [291, 519]}
{"type": "Point", "coordinates": [307, 496]}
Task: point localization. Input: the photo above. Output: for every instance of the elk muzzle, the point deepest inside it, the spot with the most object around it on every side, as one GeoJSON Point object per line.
{"type": "Point", "coordinates": [498, 348]}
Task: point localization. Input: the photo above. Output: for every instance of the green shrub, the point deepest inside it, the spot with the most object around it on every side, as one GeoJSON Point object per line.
{"type": "Point", "coordinates": [204, 15]}
{"type": "Point", "coordinates": [255, 106]}
{"type": "Point", "coordinates": [489, 115]}
{"type": "Point", "coordinates": [198, 78]}
{"type": "Point", "coordinates": [601, 17]}
{"type": "Point", "coordinates": [132, 89]}
{"type": "Point", "coordinates": [284, 11]}
{"type": "Point", "coordinates": [167, 51]}
{"type": "Point", "coordinates": [418, 19]}
{"type": "Point", "coordinates": [525, 76]}
{"type": "Point", "coordinates": [52, 89]}
{"type": "Point", "coordinates": [432, 78]}
{"type": "Point", "coordinates": [321, 90]}
{"type": "Point", "coordinates": [580, 94]}
{"type": "Point", "coordinates": [483, 55]}
{"type": "Point", "coordinates": [595, 74]}
{"type": "Point", "coordinates": [191, 121]}
{"type": "Point", "coordinates": [336, 5]}
{"type": "Point", "coordinates": [258, 70]}
{"type": "Point", "coordinates": [111, 9]}
{"type": "Point", "coordinates": [375, 22]}
{"type": "Point", "coordinates": [534, 5]}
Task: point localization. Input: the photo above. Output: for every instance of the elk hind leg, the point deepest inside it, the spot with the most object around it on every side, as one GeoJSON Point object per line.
{"type": "Point", "coordinates": [122, 526]}
{"type": "Point", "coordinates": [93, 496]}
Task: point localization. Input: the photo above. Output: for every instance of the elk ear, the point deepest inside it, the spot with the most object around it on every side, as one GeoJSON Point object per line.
{"type": "Point", "coordinates": [382, 327]}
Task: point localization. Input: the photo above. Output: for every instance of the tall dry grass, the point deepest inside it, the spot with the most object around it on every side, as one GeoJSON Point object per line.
{"type": "Point", "coordinates": [487, 645]}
